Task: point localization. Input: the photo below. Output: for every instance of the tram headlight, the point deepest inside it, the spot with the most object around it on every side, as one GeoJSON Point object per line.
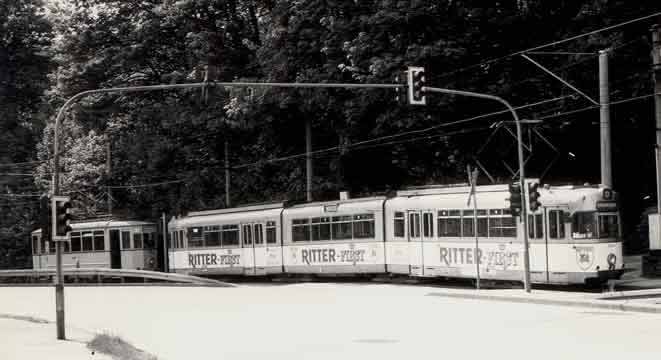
{"type": "Point", "coordinates": [607, 194]}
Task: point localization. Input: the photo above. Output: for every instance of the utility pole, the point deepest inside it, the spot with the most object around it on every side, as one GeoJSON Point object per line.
{"type": "Point", "coordinates": [165, 246]}
{"type": "Point", "coordinates": [604, 120]}
{"type": "Point", "coordinates": [108, 174]}
{"type": "Point", "coordinates": [472, 180]}
{"type": "Point", "coordinates": [227, 174]}
{"type": "Point", "coordinates": [655, 244]}
{"type": "Point", "coordinates": [308, 158]}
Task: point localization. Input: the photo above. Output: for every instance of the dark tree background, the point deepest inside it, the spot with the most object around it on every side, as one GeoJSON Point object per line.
{"type": "Point", "coordinates": [174, 141]}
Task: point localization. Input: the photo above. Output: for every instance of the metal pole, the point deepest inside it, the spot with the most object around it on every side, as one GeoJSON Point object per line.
{"type": "Point", "coordinates": [165, 246]}
{"type": "Point", "coordinates": [656, 69]}
{"type": "Point", "coordinates": [227, 174]}
{"type": "Point", "coordinates": [472, 178]}
{"type": "Point", "coordinates": [604, 120]}
{"type": "Point", "coordinates": [524, 217]}
{"type": "Point", "coordinates": [109, 172]}
{"type": "Point", "coordinates": [308, 158]}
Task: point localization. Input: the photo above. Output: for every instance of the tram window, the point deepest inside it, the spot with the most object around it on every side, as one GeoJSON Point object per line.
{"type": "Point", "coordinates": [247, 235]}
{"type": "Point", "coordinates": [363, 226]}
{"type": "Point", "coordinates": [495, 226]}
{"type": "Point", "coordinates": [509, 224]}
{"type": "Point", "coordinates": [137, 241]}
{"type": "Point", "coordinates": [148, 240]}
{"type": "Point", "coordinates": [212, 235]}
{"type": "Point", "coordinates": [88, 241]}
{"type": "Point", "coordinates": [414, 225]}
{"type": "Point", "coordinates": [608, 226]}
{"type": "Point", "coordinates": [300, 230]}
{"type": "Point", "coordinates": [44, 248]}
{"type": "Point", "coordinates": [35, 245]}
{"type": "Point", "coordinates": [66, 246]}
{"type": "Point", "coordinates": [536, 226]}
{"type": "Point", "coordinates": [556, 225]}
{"type": "Point", "coordinates": [399, 224]}
{"type": "Point", "coordinates": [259, 235]}
{"type": "Point", "coordinates": [320, 229]}
{"type": "Point", "coordinates": [126, 239]}
{"type": "Point", "coordinates": [468, 227]}
{"type": "Point", "coordinates": [482, 223]}
{"type": "Point", "coordinates": [99, 241]}
{"type": "Point", "coordinates": [75, 242]}
{"type": "Point", "coordinates": [341, 227]}
{"type": "Point", "coordinates": [230, 235]}
{"type": "Point", "coordinates": [427, 225]}
{"type": "Point", "coordinates": [583, 225]}
{"type": "Point", "coordinates": [51, 247]}
{"type": "Point", "coordinates": [449, 223]}
{"type": "Point", "coordinates": [271, 232]}
{"type": "Point", "coordinates": [196, 238]}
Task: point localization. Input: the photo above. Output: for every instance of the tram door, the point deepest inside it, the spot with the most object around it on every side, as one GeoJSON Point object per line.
{"type": "Point", "coordinates": [254, 249]}
{"type": "Point", "coordinates": [556, 245]}
{"type": "Point", "coordinates": [115, 253]}
{"type": "Point", "coordinates": [420, 230]}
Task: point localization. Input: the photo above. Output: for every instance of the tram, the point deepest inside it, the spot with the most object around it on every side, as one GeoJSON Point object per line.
{"type": "Point", "coordinates": [574, 237]}
{"type": "Point", "coordinates": [115, 244]}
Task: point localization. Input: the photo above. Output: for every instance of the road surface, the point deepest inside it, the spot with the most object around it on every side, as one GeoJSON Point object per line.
{"type": "Point", "coordinates": [331, 321]}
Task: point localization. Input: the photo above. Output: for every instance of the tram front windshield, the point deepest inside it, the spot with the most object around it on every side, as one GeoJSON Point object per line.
{"type": "Point", "coordinates": [591, 224]}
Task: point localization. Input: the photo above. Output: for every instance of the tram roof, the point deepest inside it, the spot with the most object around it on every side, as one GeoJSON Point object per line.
{"type": "Point", "coordinates": [102, 224]}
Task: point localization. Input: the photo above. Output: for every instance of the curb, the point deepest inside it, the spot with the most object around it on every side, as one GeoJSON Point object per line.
{"type": "Point", "coordinates": [598, 304]}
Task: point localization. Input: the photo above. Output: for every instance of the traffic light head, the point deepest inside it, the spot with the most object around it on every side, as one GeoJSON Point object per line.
{"type": "Point", "coordinates": [61, 217]}
{"type": "Point", "coordinates": [515, 199]}
{"type": "Point", "coordinates": [416, 82]}
{"type": "Point", "coordinates": [533, 196]}
{"type": "Point", "coordinates": [45, 218]}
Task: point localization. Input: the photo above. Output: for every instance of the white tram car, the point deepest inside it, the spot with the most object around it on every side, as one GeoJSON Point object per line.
{"type": "Point", "coordinates": [101, 244]}
{"type": "Point", "coordinates": [574, 237]}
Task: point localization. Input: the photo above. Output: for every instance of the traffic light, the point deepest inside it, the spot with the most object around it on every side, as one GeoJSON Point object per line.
{"type": "Point", "coordinates": [61, 217]}
{"type": "Point", "coordinates": [515, 199]}
{"type": "Point", "coordinates": [45, 218]}
{"type": "Point", "coordinates": [533, 196]}
{"type": "Point", "coordinates": [416, 81]}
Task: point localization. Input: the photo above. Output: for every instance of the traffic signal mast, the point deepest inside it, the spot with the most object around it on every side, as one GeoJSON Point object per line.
{"type": "Point", "coordinates": [61, 218]}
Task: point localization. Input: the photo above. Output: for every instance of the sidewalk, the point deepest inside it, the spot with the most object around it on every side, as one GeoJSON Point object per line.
{"type": "Point", "coordinates": [633, 280]}
{"type": "Point", "coordinates": [34, 339]}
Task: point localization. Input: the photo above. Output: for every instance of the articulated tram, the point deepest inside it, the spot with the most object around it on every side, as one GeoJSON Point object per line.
{"type": "Point", "coordinates": [432, 232]}
{"type": "Point", "coordinates": [112, 244]}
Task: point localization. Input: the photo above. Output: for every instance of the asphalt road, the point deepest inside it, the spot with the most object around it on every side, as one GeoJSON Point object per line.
{"type": "Point", "coordinates": [331, 321]}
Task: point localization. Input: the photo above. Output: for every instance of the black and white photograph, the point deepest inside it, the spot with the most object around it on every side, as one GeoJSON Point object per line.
{"type": "Point", "coordinates": [336, 179]}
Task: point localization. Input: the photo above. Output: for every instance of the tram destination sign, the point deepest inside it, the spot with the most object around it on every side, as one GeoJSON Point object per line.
{"type": "Point", "coordinates": [606, 206]}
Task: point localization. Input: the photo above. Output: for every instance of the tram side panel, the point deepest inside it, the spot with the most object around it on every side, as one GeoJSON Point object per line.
{"type": "Point", "coordinates": [347, 240]}
{"type": "Point", "coordinates": [240, 243]}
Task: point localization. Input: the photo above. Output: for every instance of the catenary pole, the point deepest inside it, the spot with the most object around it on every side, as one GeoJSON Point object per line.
{"type": "Point", "coordinates": [656, 68]}
{"type": "Point", "coordinates": [524, 216]}
{"type": "Point", "coordinates": [604, 120]}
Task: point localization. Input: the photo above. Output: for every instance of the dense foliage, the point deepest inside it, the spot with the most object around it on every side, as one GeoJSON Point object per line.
{"type": "Point", "coordinates": [24, 38]}
{"type": "Point", "coordinates": [175, 140]}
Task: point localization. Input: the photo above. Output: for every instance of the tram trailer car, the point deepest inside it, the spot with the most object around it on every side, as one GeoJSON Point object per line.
{"type": "Point", "coordinates": [111, 244]}
{"type": "Point", "coordinates": [237, 241]}
{"type": "Point", "coordinates": [574, 237]}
